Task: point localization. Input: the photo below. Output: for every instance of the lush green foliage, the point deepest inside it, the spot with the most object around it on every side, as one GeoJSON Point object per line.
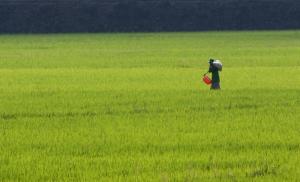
{"type": "Point", "coordinates": [133, 107]}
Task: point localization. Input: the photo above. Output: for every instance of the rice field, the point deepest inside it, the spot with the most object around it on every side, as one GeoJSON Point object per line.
{"type": "Point", "coordinates": [133, 107]}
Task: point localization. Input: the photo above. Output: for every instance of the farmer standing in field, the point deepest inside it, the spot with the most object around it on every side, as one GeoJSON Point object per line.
{"type": "Point", "coordinates": [214, 67]}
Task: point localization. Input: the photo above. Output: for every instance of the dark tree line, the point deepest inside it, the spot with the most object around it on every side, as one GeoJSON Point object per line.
{"type": "Point", "coordinates": [21, 16]}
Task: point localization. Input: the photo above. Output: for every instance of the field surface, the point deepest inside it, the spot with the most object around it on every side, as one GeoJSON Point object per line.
{"type": "Point", "coordinates": [133, 107]}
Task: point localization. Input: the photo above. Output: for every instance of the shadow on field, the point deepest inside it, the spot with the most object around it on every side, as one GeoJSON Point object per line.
{"type": "Point", "coordinates": [46, 115]}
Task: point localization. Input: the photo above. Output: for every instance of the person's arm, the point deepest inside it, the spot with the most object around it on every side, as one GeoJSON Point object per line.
{"type": "Point", "coordinates": [211, 68]}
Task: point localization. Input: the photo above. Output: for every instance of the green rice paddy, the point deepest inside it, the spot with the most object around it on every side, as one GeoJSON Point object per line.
{"type": "Point", "coordinates": [133, 107]}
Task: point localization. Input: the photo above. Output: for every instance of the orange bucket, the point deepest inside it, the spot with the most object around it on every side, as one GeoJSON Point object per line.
{"type": "Point", "coordinates": [206, 80]}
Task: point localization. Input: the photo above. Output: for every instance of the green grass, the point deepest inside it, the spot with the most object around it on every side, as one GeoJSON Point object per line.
{"type": "Point", "coordinates": [132, 107]}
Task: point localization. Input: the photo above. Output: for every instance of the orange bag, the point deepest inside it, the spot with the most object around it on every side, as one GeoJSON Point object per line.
{"type": "Point", "coordinates": [206, 80]}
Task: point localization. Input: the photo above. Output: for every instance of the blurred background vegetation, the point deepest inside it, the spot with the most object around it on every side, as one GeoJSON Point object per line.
{"type": "Point", "coordinates": [50, 16]}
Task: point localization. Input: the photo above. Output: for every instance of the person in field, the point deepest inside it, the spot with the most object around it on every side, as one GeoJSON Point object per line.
{"type": "Point", "coordinates": [214, 67]}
